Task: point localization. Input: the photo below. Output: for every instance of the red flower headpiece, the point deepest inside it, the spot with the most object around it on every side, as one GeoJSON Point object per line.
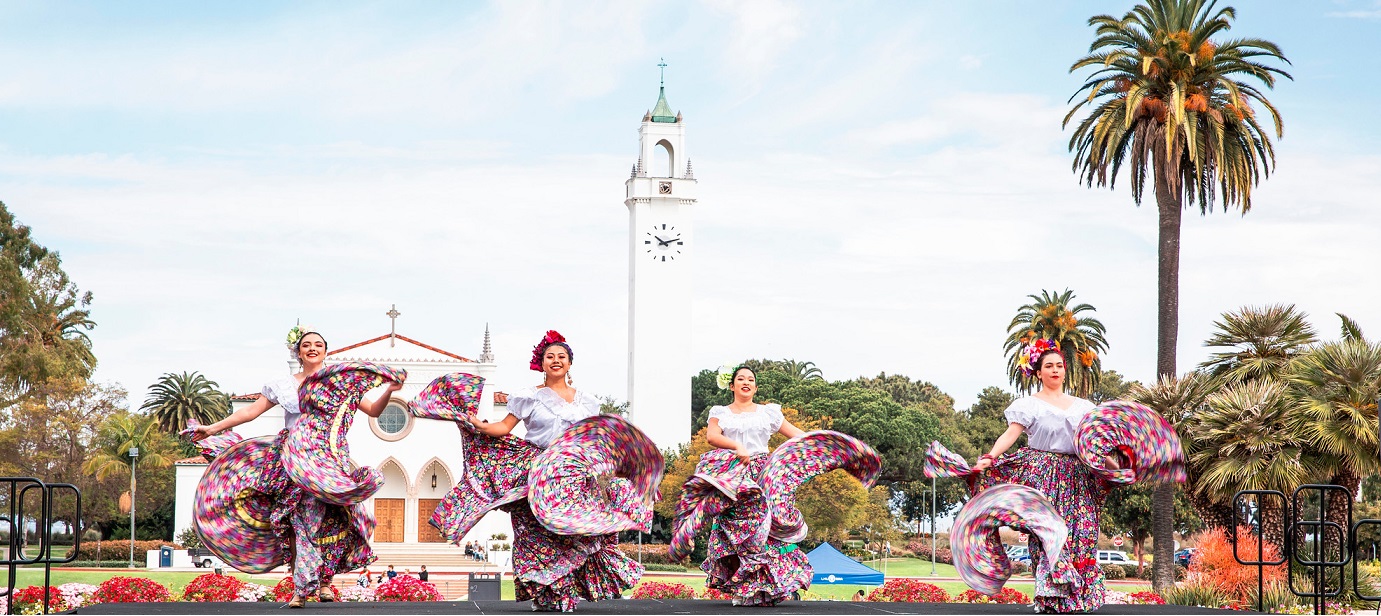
{"type": "Point", "coordinates": [552, 337]}
{"type": "Point", "coordinates": [1031, 353]}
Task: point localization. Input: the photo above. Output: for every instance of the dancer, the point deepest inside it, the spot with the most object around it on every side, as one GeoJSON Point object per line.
{"type": "Point", "coordinates": [1050, 417]}
{"type": "Point", "coordinates": [748, 496]}
{"type": "Point", "coordinates": [572, 481]}
{"type": "Point", "coordinates": [296, 496]}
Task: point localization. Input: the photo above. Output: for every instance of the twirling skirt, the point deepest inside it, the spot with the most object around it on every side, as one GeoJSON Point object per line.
{"type": "Point", "coordinates": [1077, 494]}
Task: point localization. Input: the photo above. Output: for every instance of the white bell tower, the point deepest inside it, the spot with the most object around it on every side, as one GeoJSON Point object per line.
{"type": "Point", "coordinates": [660, 193]}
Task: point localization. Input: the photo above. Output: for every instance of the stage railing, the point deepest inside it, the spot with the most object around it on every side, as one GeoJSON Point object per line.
{"type": "Point", "coordinates": [16, 522]}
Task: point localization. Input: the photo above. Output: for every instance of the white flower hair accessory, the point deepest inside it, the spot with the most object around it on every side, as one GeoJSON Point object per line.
{"type": "Point", "coordinates": [295, 335]}
{"type": "Point", "coordinates": [725, 378]}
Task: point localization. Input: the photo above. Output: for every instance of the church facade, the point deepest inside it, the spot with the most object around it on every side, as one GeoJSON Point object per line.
{"type": "Point", "coordinates": [419, 458]}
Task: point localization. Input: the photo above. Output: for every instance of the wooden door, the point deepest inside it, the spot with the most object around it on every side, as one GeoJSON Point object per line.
{"type": "Point", "coordinates": [426, 533]}
{"type": "Point", "coordinates": [390, 513]}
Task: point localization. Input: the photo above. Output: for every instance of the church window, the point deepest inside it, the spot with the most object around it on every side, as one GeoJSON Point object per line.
{"type": "Point", "coordinates": [393, 424]}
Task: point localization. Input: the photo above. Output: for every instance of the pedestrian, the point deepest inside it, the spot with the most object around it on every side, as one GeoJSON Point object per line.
{"type": "Point", "coordinates": [391, 573]}
{"type": "Point", "coordinates": [423, 574]}
{"type": "Point", "coordinates": [363, 580]}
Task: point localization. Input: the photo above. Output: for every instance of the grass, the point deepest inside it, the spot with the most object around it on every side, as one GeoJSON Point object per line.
{"type": "Point", "coordinates": [174, 580]}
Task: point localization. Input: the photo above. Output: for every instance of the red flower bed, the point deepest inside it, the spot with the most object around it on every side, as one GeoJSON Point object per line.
{"type": "Point", "coordinates": [211, 587]}
{"type": "Point", "coordinates": [908, 591]}
{"type": "Point", "coordinates": [283, 590]}
{"type": "Point", "coordinates": [30, 599]}
{"type": "Point", "coordinates": [407, 588]}
{"type": "Point", "coordinates": [663, 590]}
{"type": "Point", "coordinates": [1147, 597]}
{"type": "Point", "coordinates": [1006, 595]}
{"type": "Point", "coordinates": [130, 590]}
{"type": "Point", "coordinates": [715, 595]}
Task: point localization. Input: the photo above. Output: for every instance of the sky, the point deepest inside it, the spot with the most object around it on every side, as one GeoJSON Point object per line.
{"type": "Point", "coordinates": [882, 184]}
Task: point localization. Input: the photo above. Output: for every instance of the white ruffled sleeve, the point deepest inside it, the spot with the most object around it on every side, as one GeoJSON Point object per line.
{"type": "Point", "coordinates": [719, 412]}
{"type": "Point", "coordinates": [774, 416]}
{"type": "Point", "coordinates": [268, 392]}
{"type": "Point", "coordinates": [1020, 412]}
{"type": "Point", "coordinates": [588, 403]}
{"type": "Point", "coordinates": [520, 404]}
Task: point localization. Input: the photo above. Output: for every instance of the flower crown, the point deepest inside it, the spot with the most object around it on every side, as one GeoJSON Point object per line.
{"type": "Point", "coordinates": [296, 333]}
{"type": "Point", "coordinates": [725, 378]}
{"type": "Point", "coordinates": [1031, 353]}
{"type": "Point", "coordinates": [552, 337]}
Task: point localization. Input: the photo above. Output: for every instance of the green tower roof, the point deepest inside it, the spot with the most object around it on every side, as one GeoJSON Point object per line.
{"type": "Point", "coordinates": [662, 112]}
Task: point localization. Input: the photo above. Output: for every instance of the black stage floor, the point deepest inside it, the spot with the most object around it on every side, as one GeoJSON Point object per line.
{"type": "Point", "coordinates": [616, 607]}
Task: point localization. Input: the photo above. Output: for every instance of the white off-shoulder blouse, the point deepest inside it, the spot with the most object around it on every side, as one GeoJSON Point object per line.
{"type": "Point", "coordinates": [752, 429]}
{"type": "Point", "coordinates": [1048, 428]}
{"type": "Point", "coordinates": [283, 392]}
{"type": "Point", "coordinates": [546, 414]}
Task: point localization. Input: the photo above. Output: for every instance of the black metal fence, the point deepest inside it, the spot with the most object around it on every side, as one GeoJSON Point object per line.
{"type": "Point", "coordinates": [15, 519]}
{"type": "Point", "coordinates": [1318, 549]}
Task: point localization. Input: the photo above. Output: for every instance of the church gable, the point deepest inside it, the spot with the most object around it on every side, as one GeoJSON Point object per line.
{"type": "Point", "coordinates": [395, 348]}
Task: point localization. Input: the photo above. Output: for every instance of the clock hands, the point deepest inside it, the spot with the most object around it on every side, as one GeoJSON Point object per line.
{"type": "Point", "coordinates": [662, 242]}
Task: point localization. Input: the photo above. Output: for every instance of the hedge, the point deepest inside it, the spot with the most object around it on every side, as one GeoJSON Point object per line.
{"type": "Point", "coordinates": [116, 549]}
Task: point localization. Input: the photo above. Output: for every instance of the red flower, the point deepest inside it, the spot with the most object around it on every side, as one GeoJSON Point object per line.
{"type": "Point", "coordinates": [407, 588]}
{"type": "Point", "coordinates": [130, 590]}
{"type": "Point", "coordinates": [1006, 595]}
{"type": "Point", "coordinates": [663, 590]}
{"type": "Point", "coordinates": [909, 591]}
{"type": "Point", "coordinates": [551, 338]}
{"type": "Point", "coordinates": [1147, 597]}
{"type": "Point", "coordinates": [33, 596]}
{"type": "Point", "coordinates": [211, 587]}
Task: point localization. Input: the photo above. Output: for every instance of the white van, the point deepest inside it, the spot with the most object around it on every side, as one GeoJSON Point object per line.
{"type": "Point", "coordinates": [1113, 557]}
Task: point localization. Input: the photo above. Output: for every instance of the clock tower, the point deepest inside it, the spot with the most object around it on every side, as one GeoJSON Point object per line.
{"type": "Point", "coordinates": [660, 193]}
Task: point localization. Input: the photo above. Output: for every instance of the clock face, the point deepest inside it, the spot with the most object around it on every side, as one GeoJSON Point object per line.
{"type": "Point", "coordinates": [663, 243]}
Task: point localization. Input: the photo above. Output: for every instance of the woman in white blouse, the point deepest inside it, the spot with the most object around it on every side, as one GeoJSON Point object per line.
{"type": "Point", "coordinates": [1050, 418]}
{"type": "Point", "coordinates": [551, 570]}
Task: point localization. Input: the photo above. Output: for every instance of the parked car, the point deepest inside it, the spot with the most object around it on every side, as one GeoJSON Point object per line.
{"type": "Point", "coordinates": [205, 559]}
{"type": "Point", "coordinates": [1019, 553]}
{"type": "Point", "coordinates": [1183, 557]}
{"type": "Point", "coordinates": [1113, 557]}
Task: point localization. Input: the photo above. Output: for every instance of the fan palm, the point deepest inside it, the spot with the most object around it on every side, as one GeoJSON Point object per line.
{"type": "Point", "coordinates": [1261, 341]}
{"type": "Point", "coordinates": [176, 398]}
{"type": "Point", "coordinates": [802, 370]}
{"type": "Point", "coordinates": [1335, 387]}
{"type": "Point", "coordinates": [47, 337]}
{"type": "Point", "coordinates": [1180, 400]}
{"type": "Point", "coordinates": [1081, 339]}
{"type": "Point", "coordinates": [121, 433]}
{"type": "Point", "coordinates": [1173, 103]}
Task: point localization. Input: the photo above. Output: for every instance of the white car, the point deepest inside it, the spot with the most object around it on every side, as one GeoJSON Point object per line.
{"type": "Point", "coordinates": [1113, 557]}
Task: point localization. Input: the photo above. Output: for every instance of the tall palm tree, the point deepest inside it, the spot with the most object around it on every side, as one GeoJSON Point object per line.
{"type": "Point", "coordinates": [1335, 388]}
{"type": "Point", "coordinates": [46, 336]}
{"type": "Point", "coordinates": [1168, 99]}
{"type": "Point", "coordinates": [801, 370]}
{"type": "Point", "coordinates": [176, 398]}
{"type": "Point", "coordinates": [121, 433]}
{"type": "Point", "coordinates": [1081, 339]}
{"type": "Point", "coordinates": [1260, 342]}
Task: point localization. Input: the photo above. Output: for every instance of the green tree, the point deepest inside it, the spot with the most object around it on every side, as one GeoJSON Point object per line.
{"type": "Point", "coordinates": [1056, 317]}
{"type": "Point", "coordinates": [1170, 101]}
{"type": "Point", "coordinates": [1257, 342]}
{"type": "Point", "coordinates": [832, 503]}
{"type": "Point", "coordinates": [1112, 387]}
{"type": "Point", "coordinates": [802, 370]}
{"type": "Point", "coordinates": [1127, 512]}
{"type": "Point", "coordinates": [900, 434]}
{"type": "Point", "coordinates": [609, 405]}
{"type": "Point", "coordinates": [43, 325]}
{"type": "Point", "coordinates": [176, 399]}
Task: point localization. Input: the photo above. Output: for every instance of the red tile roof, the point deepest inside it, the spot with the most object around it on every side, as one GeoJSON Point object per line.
{"type": "Point", "coordinates": [192, 460]}
{"type": "Point", "coordinates": [247, 397]}
{"type": "Point", "coordinates": [500, 397]}
{"type": "Point", "coordinates": [405, 339]}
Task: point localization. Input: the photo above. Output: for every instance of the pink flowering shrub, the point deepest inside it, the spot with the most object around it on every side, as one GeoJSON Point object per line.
{"type": "Point", "coordinates": [122, 589]}
{"type": "Point", "coordinates": [407, 588]}
{"type": "Point", "coordinates": [76, 594]}
{"type": "Point", "coordinates": [903, 590]}
{"type": "Point", "coordinates": [212, 588]}
{"type": "Point", "coordinates": [715, 595]}
{"type": "Point", "coordinates": [663, 590]}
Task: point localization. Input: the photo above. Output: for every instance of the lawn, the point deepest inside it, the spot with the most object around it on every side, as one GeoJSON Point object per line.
{"type": "Point", "coordinates": [174, 580]}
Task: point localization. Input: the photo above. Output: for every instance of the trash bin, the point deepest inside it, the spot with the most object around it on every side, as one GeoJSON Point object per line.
{"type": "Point", "coordinates": [165, 556]}
{"type": "Point", "coordinates": [484, 587]}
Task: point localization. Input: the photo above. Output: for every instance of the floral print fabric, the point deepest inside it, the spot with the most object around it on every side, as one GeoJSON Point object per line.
{"type": "Point", "coordinates": [1143, 436]}
{"type": "Point", "coordinates": [979, 557]}
{"type": "Point", "coordinates": [801, 459]}
{"type": "Point", "coordinates": [600, 476]}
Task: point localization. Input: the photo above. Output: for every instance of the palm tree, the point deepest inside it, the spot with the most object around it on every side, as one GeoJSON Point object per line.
{"type": "Point", "coordinates": [1171, 101]}
{"type": "Point", "coordinates": [176, 398]}
{"type": "Point", "coordinates": [1335, 388]}
{"type": "Point", "coordinates": [1261, 342]}
{"type": "Point", "coordinates": [121, 433]}
{"type": "Point", "coordinates": [1081, 339]}
{"type": "Point", "coordinates": [801, 370]}
{"type": "Point", "coordinates": [47, 338]}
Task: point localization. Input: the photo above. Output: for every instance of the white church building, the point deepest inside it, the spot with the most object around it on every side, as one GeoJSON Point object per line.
{"type": "Point", "coordinates": [421, 459]}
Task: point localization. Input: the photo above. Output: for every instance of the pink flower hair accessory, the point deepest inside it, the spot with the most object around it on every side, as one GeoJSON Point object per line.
{"type": "Point", "coordinates": [552, 337]}
{"type": "Point", "coordinates": [1031, 353]}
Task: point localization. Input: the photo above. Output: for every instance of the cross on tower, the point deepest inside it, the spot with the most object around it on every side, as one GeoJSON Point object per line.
{"type": "Point", "coordinates": [393, 315]}
{"type": "Point", "coordinates": [663, 67]}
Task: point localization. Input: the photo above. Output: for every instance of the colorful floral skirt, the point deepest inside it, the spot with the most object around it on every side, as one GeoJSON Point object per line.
{"type": "Point", "coordinates": [245, 510]}
{"type": "Point", "coordinates": [1077, 494]}
{"type": "Point", "coordinates": [554, 571]}
{"type": "Point", "coordinates": [741, 560]}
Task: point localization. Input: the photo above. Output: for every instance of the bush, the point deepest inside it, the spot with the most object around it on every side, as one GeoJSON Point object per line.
{"type": "Point", "coordinates": [212, 588]}
{"type": "Point", "coordinates": [189, 538]}
{"type": "Point", "coordinates": [715, 595]}
{"type": "Point", "coordinates": [1019, 567]}
{"type": "Point", "coordinates": [30, 599]}
{"type": "Point", "coordinates": [130, 590]}
{"type": "Point", "coordinates": [357, 594]}
{"type": "Point", "coordinates": [922, 551]}
{"type": "Point", "coordinates": [1180, 573]}
{"type": "Point", "coordinates": [904, 590]}
{"type": "Point", "coordinates": [661, 567]}
{"type": "Point", "coordinates": [663, 590]}
{"type": "Point", "coordinates": [1215, 566]}
{"type": "Point", "coordinates": [1113, 572]}
{"type": "Point", "coordinates": [1132, 571]}
{"type": "Point", "coordinates": [118, 549]}
{"type": "Point", "coordinates": [1006, 596]}
{"type": "Point", "coordinates": [76, 594]}
{"type": "Point", "coordinates": [653, 553]}
{"type": "Point", "coordinates": [99, 564]}
{"type": "Point", "coordinates": [283, 590]}
{"type": "Point", "coordinates": [1196, 593]}
{"type": "Point", "coordinates": [406, 588]}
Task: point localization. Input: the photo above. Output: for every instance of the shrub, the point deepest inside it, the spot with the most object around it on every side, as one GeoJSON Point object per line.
{"type": "Point", "coordinates": [250, 593]}
{"type": "Point", "coordinates": [1006, 595]}
{"type": "Point", "coordinates": [662, 567]}
{"type": "Point", "coordinates": [1214, 565]}
{"type": "Point", "coordinates": [663, 590]}
{"type": "Point", "coordinates": [357, 593]}
{"type": "Point", "coordinates": [1019, 567]}
{"type": "Point", "coordinates": [1180, 573]}
{"type": "Point", "coordinates": [406, 588]}
{"type": "Point", "coordinates": [283, 590]}
{"type": "Point", "coordinates": [1147, 597]}
{"type": "Point", "coordinates": [30, 600]}
{"type": "Point", "coordinates": [212, 588]}
{"type": "Point", "coordinates": [1132, 571]}
{"type": "Point", "coordinates": [715, 595]}
{"type": "Point", "coordinates": [130, 590]}
{"type": "Point", "coordinates": [922, 551]}
{"type": "Point", "coordinates": [1196, 593]}
{"type": "Point", "coordinates": [1113, 572]}
{"type": "Point", "coordinates": [903, 590]}
{"type": "Point", "coordinates": [118, 549]}
{"type": "Point", "coordinates": [653, 553]}
{"type": "Point", "coordinates": [76, 594]}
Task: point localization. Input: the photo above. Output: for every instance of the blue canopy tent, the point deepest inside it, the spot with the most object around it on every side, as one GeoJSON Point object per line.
{"type": "Point", "coordinates": [833, 567]}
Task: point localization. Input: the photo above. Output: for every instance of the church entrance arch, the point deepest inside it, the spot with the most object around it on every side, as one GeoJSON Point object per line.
{"type": "Point", "coordinates": [433, 483]}
{"type": "Point", "coordinates": [391, 504]}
